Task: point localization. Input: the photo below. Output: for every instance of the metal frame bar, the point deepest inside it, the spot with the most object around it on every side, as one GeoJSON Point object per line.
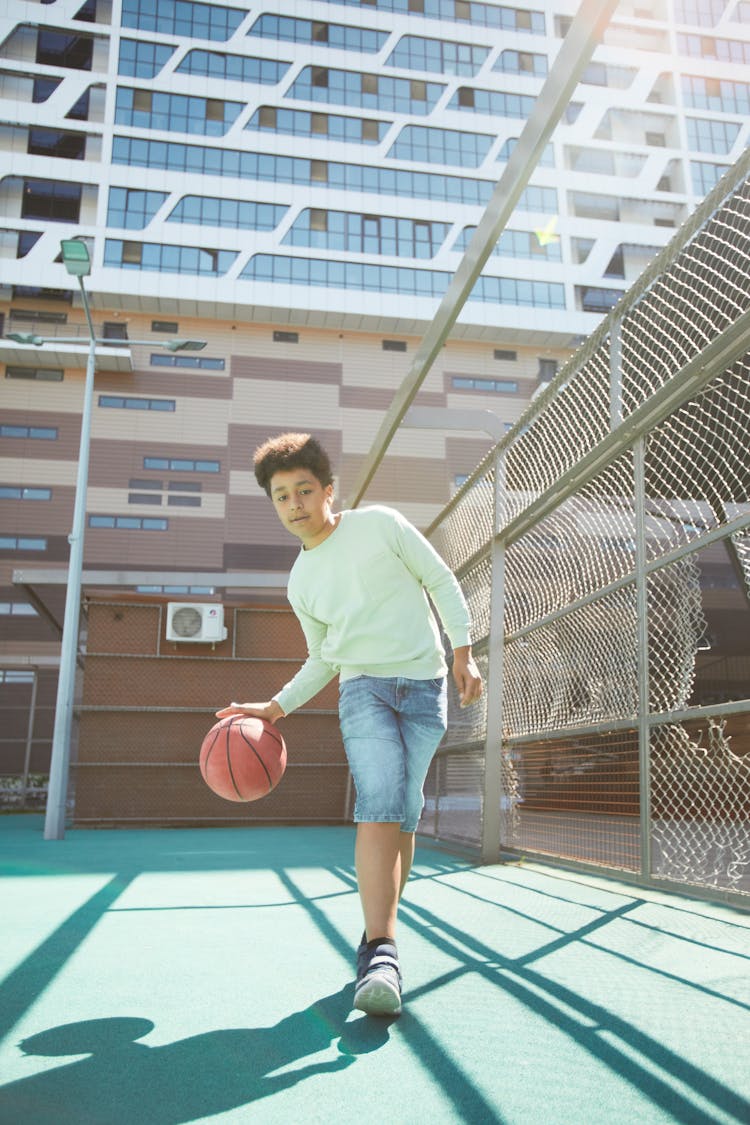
{"type": "Point", "coordinates": [626, 433]}
{"type": "Point", "coordinates": [577, 48]}
{"type": "Point", "coordinates": [723, 531]}
{"type": "Point", "coordinates": [609, 325]}
{"type": "Point", "coordinates": [717, 356]}
{"type": "Point", "coordinates": [492, 782]}
{"type": "Point", "coordinates": [613, 726]}
{"type": "Point", "coordinates": [29, 737]}
{"type": "Point", "coordinates": [58, 576]}
{"type": "Point", "coordinates": [642, 618]}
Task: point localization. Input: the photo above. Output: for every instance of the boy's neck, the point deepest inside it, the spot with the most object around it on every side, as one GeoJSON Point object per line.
{"type": "Point", "coordinates": [321, 537]}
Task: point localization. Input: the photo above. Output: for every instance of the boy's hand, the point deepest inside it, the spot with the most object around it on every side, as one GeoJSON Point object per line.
{"type": "Point", "coordinates": [269, 711]}
{"type": "Point", "coordinates": [466, 676]}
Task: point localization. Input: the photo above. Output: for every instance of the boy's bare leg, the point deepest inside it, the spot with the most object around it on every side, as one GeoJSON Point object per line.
{"type": "Point", "coordinates": [406, 847]}
{"type": "Point", "coordinates": [377, 858]}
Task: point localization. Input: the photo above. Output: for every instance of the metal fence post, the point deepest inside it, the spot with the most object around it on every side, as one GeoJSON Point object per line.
{"type": "Point", "coordinates": [644, 727]}
{"type": "Point", "coordinates": [493, 747]}
{"type": "Point", "coordinates": [29, 739]}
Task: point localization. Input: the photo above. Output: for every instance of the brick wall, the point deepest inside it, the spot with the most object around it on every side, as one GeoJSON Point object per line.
{"type": "Point", "coordinates": [148, 703]}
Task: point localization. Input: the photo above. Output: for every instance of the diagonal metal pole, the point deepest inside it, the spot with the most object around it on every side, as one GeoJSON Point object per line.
{"type": "Point", "coordinates": [577, 48]}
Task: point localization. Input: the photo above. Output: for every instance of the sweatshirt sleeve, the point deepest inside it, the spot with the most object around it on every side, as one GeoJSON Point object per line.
{"type": "Point", "coordinates": [314, 674]}
{"type": "Point", "coordinates": [437, 578]}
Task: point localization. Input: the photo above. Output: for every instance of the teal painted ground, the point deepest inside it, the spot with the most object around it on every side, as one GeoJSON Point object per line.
{"type": "Point", "coordinates": [157, 977]}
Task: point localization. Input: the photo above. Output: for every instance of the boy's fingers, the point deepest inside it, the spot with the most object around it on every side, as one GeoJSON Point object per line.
{"type": "Point", "coordinates": [232, 709]}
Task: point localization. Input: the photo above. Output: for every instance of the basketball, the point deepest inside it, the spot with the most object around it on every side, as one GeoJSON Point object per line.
{"type": "Point", "coordinates": [242, 758]}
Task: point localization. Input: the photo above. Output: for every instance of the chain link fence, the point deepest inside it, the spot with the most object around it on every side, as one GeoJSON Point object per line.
{"type": "Point", "coordinates": [604, 548]}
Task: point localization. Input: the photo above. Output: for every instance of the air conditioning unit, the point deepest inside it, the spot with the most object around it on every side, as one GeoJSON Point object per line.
{"type": "Point", "coordinates": [195, 622]}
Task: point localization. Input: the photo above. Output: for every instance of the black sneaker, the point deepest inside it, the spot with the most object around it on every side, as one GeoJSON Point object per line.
{"type": "Point", "coordinates": [378, 988]}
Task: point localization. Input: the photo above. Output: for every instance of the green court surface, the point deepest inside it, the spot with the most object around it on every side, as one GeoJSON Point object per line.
{"type": "Point", "coordinates": [154, 977]}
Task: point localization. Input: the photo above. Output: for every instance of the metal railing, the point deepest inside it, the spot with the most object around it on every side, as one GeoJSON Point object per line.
{"type": "Point", "coordinates": [590, 543]}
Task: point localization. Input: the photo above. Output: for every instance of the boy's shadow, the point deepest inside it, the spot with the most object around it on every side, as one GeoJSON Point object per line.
{"type": "Point", "coordinates": [124, 1082]}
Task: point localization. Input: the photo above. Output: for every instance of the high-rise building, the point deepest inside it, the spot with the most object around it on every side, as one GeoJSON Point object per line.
{"type": "Point", "coordinates": [296, 184]}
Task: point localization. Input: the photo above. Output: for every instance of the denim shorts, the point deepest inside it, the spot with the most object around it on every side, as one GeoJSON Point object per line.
{"type": "Point", "coordinates": [391, 727]}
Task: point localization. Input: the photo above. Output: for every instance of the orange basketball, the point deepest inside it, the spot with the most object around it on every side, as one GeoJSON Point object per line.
{"type": "Point", "coordinates": [242, 758]}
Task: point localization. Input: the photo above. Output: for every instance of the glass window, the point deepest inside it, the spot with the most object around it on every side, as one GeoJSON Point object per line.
{"type": "Point", "coordinates": [297, 122]}
{"type": "Point", "coordinates": [519, 244]}
{"type": "Point", "coordinates": [133, 208]}
{"type": "Point", "coordinates": [167, 259]}
{"type": "Point", "coordinates": [546, 160]}
{"type": "Point", "coordinates": [709, 47]}
{"type": "Point", "coordinates": [184, 486]}
{"type": "Point", "coordinates": [349, 177]}
{"type": "Point", "coordinates": [43, 88]}
{"type": "Point", "coordinates": [120, 402]}
{"type": "Point", "coordinates": [705, 13]}
{"type": "Point", "coordinates": [43, 374]}
{"type": "Point", "coordinates": [711, 136]}
{"type": "Point", "coordinates": [491, 386]}
{"type": "Point", "coordinates": [352, 88]}
{"type": "Point", "coordinates": [236, 68]}
{"type": "Point", "coordinates": [237, 213]}
{"type": "Point", "coordinates": [63, 48]}
{"type": "Point", "coordinates": [341, 36]}
{"type": "Point", "coordinates": [184, 501]}
{"type": "Point", "coordinates": [441, 146]}
{"type": "Point", "coordinates": [174, 112]}
{"type": "Point", "coordinates": [45, 433]}
{"type": "Point", "coordinates": [716, 94]}
{"type": "Point", "coordinates": [606, 74]}
{"type": "Point", "coordinates": [143, 498]}
{"type": "Point", "coordinates": [705, 176]}
{"type": "Point", "coordinates": [522, 62]}
{"type": "Point", "coordinates": [396, 279]}
{"type": "Point", "coordinates": [51, 199]}
{"type": "Point", "coordinates": [467, 11]}
{"type": "Point", "coordinates": [20, 492]}
{"type": "Point", "coordinates": [182, 17]}
{"type": "Point", "coordinates": [176, 589]}
{"type": "Point", "coordinates": [414, 53]}
{"type": "Point", "coordinates": [197, 362]}
{"type": "Point", "coordinates": [366, 234]}
{"type": "Point", "coordinates": [130, 523]}
{"type": "Point", "coordinates": [141, 59]}
{"type": "Point", "coordinates": [177, 465]}
{"type": "Point", "coordinates": [56, 143]}
{"type": "Point", "coordinates": [592, 299]}
{"type": "Point", "coordinates": [22, 543]}
{"type": "Point", "coordinates": [17, 609]}
{"type": "Point", "coordinates": [494, 103]}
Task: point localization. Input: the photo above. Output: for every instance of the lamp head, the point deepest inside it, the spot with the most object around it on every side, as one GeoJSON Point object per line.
{"type": "Point", "coordinates": [184, 345]}
{"type": "Point", "coordinates": [75, 256]}
{"type": "Point", "coordinates": [25, 338]}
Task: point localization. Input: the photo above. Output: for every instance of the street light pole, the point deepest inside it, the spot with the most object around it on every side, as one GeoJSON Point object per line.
{"type": "Point", "coordinates": [75, 256]}
{"type": "Point", "coordinates": [57, 793]}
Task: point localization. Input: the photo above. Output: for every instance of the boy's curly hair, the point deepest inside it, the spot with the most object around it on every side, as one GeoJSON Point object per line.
{"type": "Point", "coordinates": [291, 451]}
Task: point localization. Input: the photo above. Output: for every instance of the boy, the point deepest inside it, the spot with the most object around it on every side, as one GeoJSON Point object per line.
{"type": "Point", "coordinates": [358, 588]}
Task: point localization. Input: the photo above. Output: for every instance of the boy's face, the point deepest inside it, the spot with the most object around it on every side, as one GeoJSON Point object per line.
{"type": "Point", "coordinates": [303, 505]}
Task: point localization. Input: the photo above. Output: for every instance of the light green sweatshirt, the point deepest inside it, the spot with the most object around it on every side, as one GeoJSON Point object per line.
{"type": "Point", "coordinates": [360, 599]}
